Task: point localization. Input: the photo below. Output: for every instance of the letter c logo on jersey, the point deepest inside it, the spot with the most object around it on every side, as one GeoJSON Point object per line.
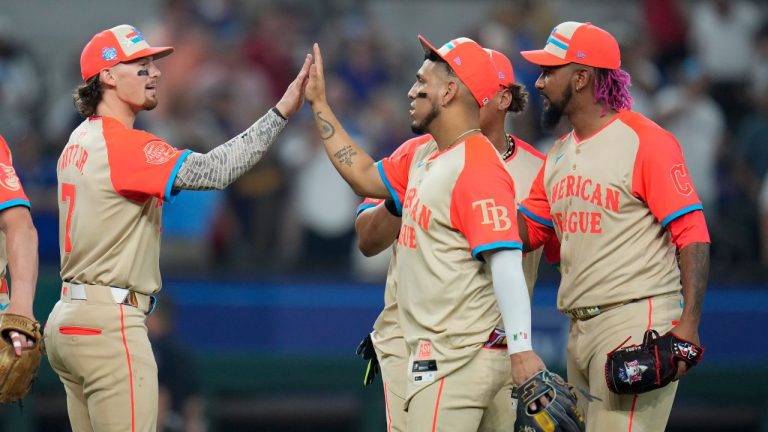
{"type": "Point", "coordinates": [8, 177]}
{"type": "Point", "coordinates": [158, 152]}
{"type": "Point", "coordinates": [681, 179]}
{"type": "Point", "coordinates": [493, 214]}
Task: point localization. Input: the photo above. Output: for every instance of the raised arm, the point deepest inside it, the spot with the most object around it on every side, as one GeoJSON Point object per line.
{"type": "Point", "coordinates": [226, 163]}
{"type": "Point", "coordinates": [355, 165]}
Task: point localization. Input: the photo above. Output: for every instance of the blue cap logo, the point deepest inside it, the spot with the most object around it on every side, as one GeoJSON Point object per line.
{"type": "Point", "coordinates": [109, 54]}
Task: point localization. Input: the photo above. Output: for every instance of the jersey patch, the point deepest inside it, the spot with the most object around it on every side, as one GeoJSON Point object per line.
{"type": "Point", "coordinates": [158, 152]}
{"type": "Point", "coordinates": [8, 177]}
{"type": "Point", "coordinates": [424, 371]}
{"type": "Point", "coordinates": [681, 179]}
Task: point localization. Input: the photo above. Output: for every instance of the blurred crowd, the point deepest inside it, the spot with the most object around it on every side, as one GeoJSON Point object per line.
{"type": "Point", "coordinates": [699, 68]}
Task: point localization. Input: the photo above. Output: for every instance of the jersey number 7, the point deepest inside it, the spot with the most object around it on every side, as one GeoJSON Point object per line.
{"type": "Point", "coordinates": [68, 195]}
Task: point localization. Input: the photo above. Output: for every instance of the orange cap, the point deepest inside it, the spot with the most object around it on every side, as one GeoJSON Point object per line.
{"type": "Point", "coordinates": [503, 66]}
{"type": "Point", "coordinates": [117, 45]}
{"type": "Point", "coordinates": [471, 63]}
{"type": "Point", "coordinates": [575, 42]}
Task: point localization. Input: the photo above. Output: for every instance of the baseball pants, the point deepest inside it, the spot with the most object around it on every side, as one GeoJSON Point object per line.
{"type": "Point", "coordinates": [458, 402]}
{"type": "Point", "coordinates": [102, 354]}
{"type": "Point", "coordinates": [589, 343]}
{"type": "Point", "coordinates": [393, 362]}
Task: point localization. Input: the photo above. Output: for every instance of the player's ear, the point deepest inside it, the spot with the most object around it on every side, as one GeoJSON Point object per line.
{"type": "Point", "coordinates": [505, 100]}
{"type": "Point", "coordinates": [581, 78]}
{"type": "Point", "coordinates": [107, 77]}
{"type": "Point", "coordinates": [450, 91]}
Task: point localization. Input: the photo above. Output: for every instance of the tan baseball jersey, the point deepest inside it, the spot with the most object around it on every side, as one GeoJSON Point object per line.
{"type": "Point", "coordinates": [11, 195]}
{"type": "Point", "coordinates": [608, 198]}
{"type": "Point", "coordinates": [112, 183]}
{"type": "Point", "coordinates": [456, 204]}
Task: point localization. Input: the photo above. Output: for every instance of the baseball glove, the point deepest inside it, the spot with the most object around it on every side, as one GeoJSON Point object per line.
{"type": "Point", "coordinates": [367, 352]}
{"type": "Point", "coordinates": [18, 373]}
{"type": "Point", "coordinates": [562, 413]}
{"type": "Point", "coordinates": [641, 368]}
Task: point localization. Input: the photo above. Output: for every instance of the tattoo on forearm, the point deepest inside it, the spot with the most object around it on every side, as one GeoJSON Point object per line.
{"type": "Point", "coordinates": [345, 155]}
{"type": "Point", "coordinates": [326, 128]}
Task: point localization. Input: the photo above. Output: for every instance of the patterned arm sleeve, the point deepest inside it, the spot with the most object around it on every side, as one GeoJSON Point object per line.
{"type": "Point", "coordinates": [223, 165]}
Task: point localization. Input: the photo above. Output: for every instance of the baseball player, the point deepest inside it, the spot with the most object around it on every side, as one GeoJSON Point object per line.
{"type": "Point", "coordinates": [113, 180]}
{"type": "Point", "coordinates": [458, 223]}
{"type": "Point", "coordinates": [18, 248]}
{"type": "Point", "coordinates": [378, 224]}
{"type": "Point", "coordinates": [616, 192]}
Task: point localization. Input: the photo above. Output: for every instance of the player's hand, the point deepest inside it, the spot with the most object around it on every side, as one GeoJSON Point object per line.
{"type": "Point", "coordinates": [690, 333]}
{"type": "Point", "coordinates": [19, 340]}
{"type": "Point", "coordinates": [315, 91]}
{"type": "Point", "coordinates": [293, 97]}
{"type": "Point", "coordinates": [524, 365]}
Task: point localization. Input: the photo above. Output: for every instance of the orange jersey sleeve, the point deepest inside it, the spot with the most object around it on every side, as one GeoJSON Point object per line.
{"type": "Point", "coordinates": [141, 165]}
{"type": "Point", "coordinates": [11, 192]}
{"type": "Point", "coordinates": [368, 203]}
{"type": "Point", "coordinates": [394, 169]}
{"type": "Point", "coordinates": [536, 206]}
{"type": "Point", "coordinates": [483, 200]}
{"type": "Point", "coordinates": [660, 177]}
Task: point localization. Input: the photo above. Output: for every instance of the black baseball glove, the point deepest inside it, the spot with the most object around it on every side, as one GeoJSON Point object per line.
{"type": "Point", "coordinates": [367, 352]}
{"type": "Point", "coordinates": [653, 364]}
{"type": "Point", "coordinates": [562, 413]}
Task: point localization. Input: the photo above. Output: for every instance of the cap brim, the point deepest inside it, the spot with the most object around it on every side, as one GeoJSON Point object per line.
{"type": "Point", "coordinates": [543, 58]}
{"type": "Point", "coordinates": [155, 52]}
{"type": "Point", "coordinates": [428, 46]}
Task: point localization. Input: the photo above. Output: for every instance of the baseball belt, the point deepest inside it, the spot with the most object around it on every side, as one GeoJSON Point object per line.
{"type": "Point", "coordinates": [589, 312]}
{"type": "Point", "coordinates": [143, 302]}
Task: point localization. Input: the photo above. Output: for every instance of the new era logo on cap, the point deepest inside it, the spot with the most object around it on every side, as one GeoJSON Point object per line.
{"type": "Point", "coordinates": [575, 42]}
{"type": "Point", "coordinates": [116, 45]}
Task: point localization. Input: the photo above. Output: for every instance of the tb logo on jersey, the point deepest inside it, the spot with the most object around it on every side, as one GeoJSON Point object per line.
{"type": "Point", "coordinates": [681, 179]}
{"type": "Point", "coordinates": [493, 214]}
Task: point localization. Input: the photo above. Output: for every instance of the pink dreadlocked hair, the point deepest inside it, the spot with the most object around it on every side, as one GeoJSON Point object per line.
{"type": "Point", "coordinates": [612, 89]}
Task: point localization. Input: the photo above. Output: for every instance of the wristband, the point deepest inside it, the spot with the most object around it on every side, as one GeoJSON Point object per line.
{"type": "Point", "coordinates": [279, 114]}
{"type": "Point", "coordinates": [392, 208]}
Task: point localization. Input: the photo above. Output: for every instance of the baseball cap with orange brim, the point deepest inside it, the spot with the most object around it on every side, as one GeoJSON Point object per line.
{"type": "Point", "coordinates": [506, 75]}
{"type": "Point", "coordinates": [123, 43]}
{"type": "Point", "coordinates": [471, 64]}
{"type": "Point", "coordinates": [575, 42]}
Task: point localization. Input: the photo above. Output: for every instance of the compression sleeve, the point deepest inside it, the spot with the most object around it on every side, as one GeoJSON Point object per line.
{"type": "Point", "coordinates": [512, 298]}
{"type": "Point", "coordinates": [224, 164]}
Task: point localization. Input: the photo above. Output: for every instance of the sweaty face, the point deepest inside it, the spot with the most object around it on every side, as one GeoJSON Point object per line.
{"type": "Point", "coordinates": [136, 83]}
{"type": "Point", "coordinates": [423, 94]}
{"type": "Point", "coordinates": [555, 88]}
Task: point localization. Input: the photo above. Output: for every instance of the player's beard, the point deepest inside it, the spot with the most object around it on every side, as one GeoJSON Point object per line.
{"type": "Point", "coordinates": [422, 127]}
{"type": "Point", "coordinates": [552, 114]}
{"type": "Point", "coordinates": [149, 103]}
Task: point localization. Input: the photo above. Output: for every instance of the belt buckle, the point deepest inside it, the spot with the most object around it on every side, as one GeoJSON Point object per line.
{"type": "Point", "coordinates": [586, 313]}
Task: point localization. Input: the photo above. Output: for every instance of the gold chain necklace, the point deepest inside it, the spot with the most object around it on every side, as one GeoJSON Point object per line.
{"type": "Point", "coordinates": [455, 140]}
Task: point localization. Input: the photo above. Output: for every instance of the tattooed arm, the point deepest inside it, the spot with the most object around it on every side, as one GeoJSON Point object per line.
{"type": "Point", "coordinates": [221, 166]}
{"type": "Point", "coordinates": [354, 164]}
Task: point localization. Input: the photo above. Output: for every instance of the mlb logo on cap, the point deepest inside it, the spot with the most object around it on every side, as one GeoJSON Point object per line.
{"type": "Point", "coordinates": [119, 44]}
{"type": "Point", "coordinates": [575, 42]}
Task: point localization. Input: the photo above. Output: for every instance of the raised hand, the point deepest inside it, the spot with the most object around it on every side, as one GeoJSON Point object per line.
{"type": "Point", "coordinates": [315, 90]}
{"type": "Point", "coordinates": [293, 97]}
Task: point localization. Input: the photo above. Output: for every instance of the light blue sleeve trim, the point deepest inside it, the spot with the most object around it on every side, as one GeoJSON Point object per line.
{"type": "Point", "coordinates": [392, 192]}
{"type": "Point", "coordinates": [680, 212]}
{"type": "Point", "coordinates": [539, 219]}
{"type": "Point", "coordinates": [170, 194]}
{"type": "Point", "coordinates": [495, 245]}
{"type": "Point", "coordinates": [14, 203]}
{"type": "Point", "coordinates": [363, 207]}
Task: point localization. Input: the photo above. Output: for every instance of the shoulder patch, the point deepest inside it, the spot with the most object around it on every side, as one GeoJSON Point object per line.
{"type": "Point", "coordinates": [8, 177]}
{"type": "Point", "coordinates": [158, 152]}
